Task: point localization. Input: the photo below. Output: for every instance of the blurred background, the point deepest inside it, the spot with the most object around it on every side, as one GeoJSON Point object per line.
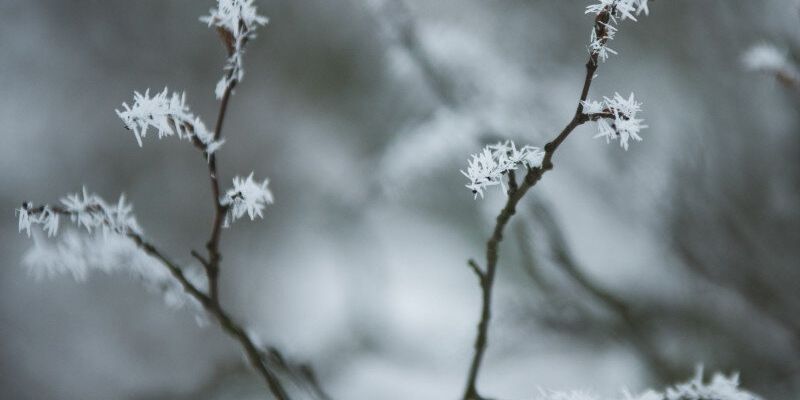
{"type": "Point", "coordinates": [622, 269]}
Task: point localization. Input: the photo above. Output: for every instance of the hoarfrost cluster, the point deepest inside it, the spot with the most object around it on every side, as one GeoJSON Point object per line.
{"type": "Point", "coordinates": [246, 197]}
{"type": "Point", "coordinates": [105, 246]}
{"type": "Point", "coordinates": [488, 167]}
{"type": "Point", "coordinates": [720, 387]}
{"type": "Point", "coordinates": [236, 21]}
{"type": "Point", "coordinates": [85, 210]}
{"type": "Point", "coordinates": [603, 32]}
{"type": "Point", "coordinates": [616, 118]}
{"type": "Point", "coordinates": [168, 115]}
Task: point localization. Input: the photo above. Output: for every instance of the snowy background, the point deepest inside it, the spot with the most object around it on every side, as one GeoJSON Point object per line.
{"type": "Point", "coordinates": [361, 114]}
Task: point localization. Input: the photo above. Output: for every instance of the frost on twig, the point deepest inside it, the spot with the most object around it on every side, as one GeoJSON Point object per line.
{"type": "Point", "coordinates": [616, 118]}
{"type": "Point", "coordinates": [168, 115]}
{"type": "Point", "coordinates": [488, 167]}
{"type": "Point", "coordinates": [236, 21]}
{"type": "Point", "coordinates": [106, 245]}
{"type": "Point", "coordinates": [85, 210]}
{"type": "Point", "coordinates": [768, 59]}
{"type": "Point", "coordinates": [246, 197]}
{"type": "Point", "coordinates": [605, 28]}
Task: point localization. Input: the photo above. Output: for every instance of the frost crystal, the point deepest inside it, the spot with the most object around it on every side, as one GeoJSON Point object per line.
{"type": "Point", "coordinates": [488, 167]}
{"type": "Point", "coordinates": [92, 212]}
{"type": "Point", "coordinates": [246, 196]}
{"type": "Point", "coordinates": [720, 387]}
{"type": "Point", "coordinates": [237, 21]}
{"type": "Point", "coordinates": [622, 112]}
{"type": "Point", "coordinates": [88, 211]}
{"type": "Point", "coordinates": [47, 218]}
{"type": "Point", "coordinates": [168, 115]}
{"type": "Point", "coordinates": [603, 32]}
{"type": "Point", "coordinates": [105, 247]}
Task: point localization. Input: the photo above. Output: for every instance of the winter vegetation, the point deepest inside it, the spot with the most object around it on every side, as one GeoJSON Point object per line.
{"type": "Point", "coordinates": [81, 234]}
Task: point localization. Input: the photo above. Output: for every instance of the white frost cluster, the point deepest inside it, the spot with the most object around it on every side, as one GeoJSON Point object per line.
{"type": "Point", "coordinates": [768, 58]}
{"type": "Point", "coordinates": [239, 19]}
{"type": "Point", "coordinates": [105, 247]}
{"type": "Point", "coordinates": [622, 9]}
{"type": "Point", "coordinates": [246, 197]}
{"type": "Point", "coordinates": [622, 113]}
{"type": "Point", "coordinates": [720, 387]}
{"type": "Point", "coordinates": [168, 115]}
{"type": "Point", "coordinates": [93, 213]}
{"type": "Point", "coordinates": [47, 218]}
{"type": "Point", "coordinates": [88, 211]}
{"type": "Point", "coordinates": [488, 167]}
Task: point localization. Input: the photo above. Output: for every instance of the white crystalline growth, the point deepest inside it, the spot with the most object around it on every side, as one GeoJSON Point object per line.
{"type": "Point", "coordinates": [488, 167]}
{"type": "Point", "coordinates": [620, 122]}
{"type": "Point", "coordinates": [166, 114]}
{"type": "Point", "coordinates": [239, 19]}
{"type": "Point", "coordinates": [246, 197]}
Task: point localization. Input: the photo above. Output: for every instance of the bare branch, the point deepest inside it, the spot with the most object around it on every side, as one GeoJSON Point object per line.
{"type": "Point", "coordinates": [477, 270]}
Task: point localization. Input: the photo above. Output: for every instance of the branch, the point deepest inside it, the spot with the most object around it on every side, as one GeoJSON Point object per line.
{"type": "Point", "coordinates": [214, 256]}
{"type": "Point", "coordinates": [633, 326]}
{"type": "Point", "coordinates": [531, 178]}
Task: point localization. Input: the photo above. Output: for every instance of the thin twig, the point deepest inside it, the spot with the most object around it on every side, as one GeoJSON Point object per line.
{"type": "Point", "coordinates": [214, 256]}
{"type": "Point", "coordinates": [531, 178]}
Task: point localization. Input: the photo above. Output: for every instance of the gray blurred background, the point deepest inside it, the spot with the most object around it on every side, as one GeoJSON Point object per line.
{"type": "Point", "coordinates": [624, 269]}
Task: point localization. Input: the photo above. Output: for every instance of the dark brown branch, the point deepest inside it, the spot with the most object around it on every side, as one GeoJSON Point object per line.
{"type": "Point", "coordinates": [225, 321]}
{"type": "Point", "coordinates": [531, 178]}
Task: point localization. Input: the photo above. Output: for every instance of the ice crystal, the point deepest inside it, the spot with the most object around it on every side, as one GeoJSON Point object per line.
{"type": "Point", "coordinates": [488, 167]}
{"type": "Point", "coordinates": [246, 197]}
{"type": "Point", "coordinates": [622, 113]}
{"type": "Point", "coordinates": [168, 115]}
{"type": "Point", "coordinates": [237, 20]}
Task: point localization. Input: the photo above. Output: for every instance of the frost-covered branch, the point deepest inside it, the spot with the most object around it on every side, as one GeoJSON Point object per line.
{"type": "Point", "coordinates": [236, 21]}
{"type": "Point", "coordinates": [607, 13]}
{"type": "Point", "coordinates": [114, 228]}
{"type": "Point", "coordinates": [114, 240]}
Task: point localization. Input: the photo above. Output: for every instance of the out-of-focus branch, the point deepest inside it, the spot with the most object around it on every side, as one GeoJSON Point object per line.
{"type": "Point", "coordinates": [633, 326]}
{"type": "Point", "coordinates": [514, 196]}
{"type": "Point", "coordinates": [399, 18]}
{"type": "Point", "coordinates": [530, 263]}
